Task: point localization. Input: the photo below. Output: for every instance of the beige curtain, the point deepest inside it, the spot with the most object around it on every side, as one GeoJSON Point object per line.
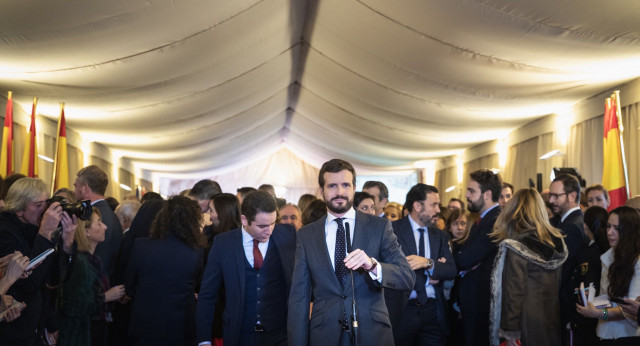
{"type": "Point", "coordinates": [522, 163]}
{"type": "Point", "coordinates": [631, 140]}
{"type": "Point", "coordinates": [546, 143]}
{"type": "Point", "coordinates": [112, 189]}
{"type": "Point", "coordinates": [584, 150]}
{"type": "Point", "coordinates": [445, 178]}
{"type": "Point", "coordinates": [76, 162]}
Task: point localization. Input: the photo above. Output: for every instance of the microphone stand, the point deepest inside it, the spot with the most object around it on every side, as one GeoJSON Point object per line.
{"type": "Point", "coordinates": [354, 315]}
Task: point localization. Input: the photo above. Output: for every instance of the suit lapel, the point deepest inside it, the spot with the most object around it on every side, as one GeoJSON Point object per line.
{"type": "Point", "coordinates": [406, 237]}
{"type": "Point", "coordinates": [322, 252]}
{"type": "Point", "coordinates": [433, 243]}
{"type": "Point", "coordinates": [241, 259]}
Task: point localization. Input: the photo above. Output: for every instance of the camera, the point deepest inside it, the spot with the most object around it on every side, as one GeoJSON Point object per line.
{"type": "Point", "coordinates": [82, 209]}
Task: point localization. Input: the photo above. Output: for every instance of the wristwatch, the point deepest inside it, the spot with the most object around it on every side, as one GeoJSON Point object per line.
{"type": "Point", "coordinates": [375, 264]}
{"type": "Point", "coordinates": [429, 264]}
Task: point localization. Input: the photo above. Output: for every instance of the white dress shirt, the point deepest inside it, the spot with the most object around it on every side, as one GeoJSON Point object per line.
{"type": "Point", "coordinates": [431, 292]}
{"type": "Point", "coordinates": [330, 229]}
{"type": "Point", "coordinates": [247, 244]}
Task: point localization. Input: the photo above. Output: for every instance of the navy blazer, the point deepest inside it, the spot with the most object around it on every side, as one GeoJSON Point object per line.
{"type": "Point", "coordinates": [439, 246]}
{"type": "Point", "coordinates": [161, 278]}
{"type": "Point", "coordinates": [314, 275]}
{"type": "Point", "coordinates": [226, 266]}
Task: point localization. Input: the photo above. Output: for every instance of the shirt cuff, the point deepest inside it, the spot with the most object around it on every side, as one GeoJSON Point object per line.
{"type": "Point", "coordinates": [379, 276]}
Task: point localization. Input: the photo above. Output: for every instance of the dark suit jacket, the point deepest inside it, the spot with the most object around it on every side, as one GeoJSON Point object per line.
{"type": "Point", "coordinates": [226, 266]}
{"type": "Point", "coordinates": [161, 279]}
{"type": "Point", "coordinates": [439, 246]}
{"type": "Point", "coordinates": [478, 250]}
{"type": "Point", "coordinates": [108, 250]}
{"type": "Point", "coordinates": [573, 230]}
{"type": "Point", "coordinates": [314, 276]}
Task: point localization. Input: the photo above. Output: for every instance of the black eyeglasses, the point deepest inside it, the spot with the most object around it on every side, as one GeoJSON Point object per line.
{"type": "Point", "coordinates": [556, 195]}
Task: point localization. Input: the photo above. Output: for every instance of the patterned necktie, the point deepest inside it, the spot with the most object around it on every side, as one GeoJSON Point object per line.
{"type": "Point", "coordinates": [257, 256]}
{"type": "Point", "coordinates": [340, 254]}
{"type": "Point", "coordinates": [421, 277]}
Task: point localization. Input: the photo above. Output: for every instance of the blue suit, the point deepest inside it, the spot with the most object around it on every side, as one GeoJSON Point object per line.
{"type": "Point", "coordinates": [439, 247]}
{"type": "Point", "coordinates": [228, 266]}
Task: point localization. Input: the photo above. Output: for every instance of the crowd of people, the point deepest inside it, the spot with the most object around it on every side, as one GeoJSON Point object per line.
{"type": "Point", "coordinates": [206, 267]}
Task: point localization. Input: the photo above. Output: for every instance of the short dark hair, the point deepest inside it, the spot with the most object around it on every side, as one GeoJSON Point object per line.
{"type": "Point", "coordinates": [570, 183]}
{"type": "Point", "coordinates": [360, 196]}
{"type": "Point", "coordinates": [95, 178]}
{"type": "Point", "coordinates": [384, 192]}
{"type": "Point", "coordinates": [268, 188]}
{"type": "Point", "coordinates": [488, 181]}
{"type": "Point", "coordinates": [150, 196]}
{"type": "Point", "coordinates": [335, 166]}
{"type": "Point", "coordinates": [205, 189]}
{"type": "Point", "coordinates": [243, 191]}
{"type": "Point", "coordinates": [112, 202]}
{"type": "Point", "coordinates": [457, 200]}
{"type": "Point", "coordinates": [418, 192]}
{"type": "Point", "coordinates": [257, 202]}
{"type": "Point", "coordinates": [505, 185]}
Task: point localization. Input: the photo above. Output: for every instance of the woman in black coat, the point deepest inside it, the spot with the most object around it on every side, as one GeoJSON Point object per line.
{"type": "Point", "coordinates": [162, 276]}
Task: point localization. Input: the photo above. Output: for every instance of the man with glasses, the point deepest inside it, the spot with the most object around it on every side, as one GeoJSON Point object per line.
{"type": "Point", "coordinates": [564, 197]}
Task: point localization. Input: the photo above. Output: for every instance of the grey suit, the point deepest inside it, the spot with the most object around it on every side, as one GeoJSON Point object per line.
{"type": "Point", "coordinates": [313, 276]}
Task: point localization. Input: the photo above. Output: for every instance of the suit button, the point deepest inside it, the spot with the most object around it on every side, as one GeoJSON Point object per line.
{"type": "Point", "coordinates": [344, 297]}
{"type": "Point", "coordinates": [258, 275]}
{"type": "Point", "coordinates": [258, 288]}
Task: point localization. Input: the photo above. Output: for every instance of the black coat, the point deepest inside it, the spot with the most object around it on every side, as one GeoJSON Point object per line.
{"type": "Point", "coordinates": [18, 236]}
{"type": "Point", "coordinates": [161, 278]}
{"type": "Point", "coordinates": [478, 252]}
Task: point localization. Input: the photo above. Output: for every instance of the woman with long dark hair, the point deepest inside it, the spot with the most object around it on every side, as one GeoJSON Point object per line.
{"type": "Point", "coordinates": [225, 212]}
{"type": "Point", "coordinates": [526, 274]}
{"type": "Point", "coordinates": [163, 274]}
{"type": "Point", "coordinates": [620, 278]}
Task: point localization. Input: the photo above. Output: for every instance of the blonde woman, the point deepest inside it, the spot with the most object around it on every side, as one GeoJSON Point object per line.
{"type": "Point", "coordinates": [526, 274]}
{"type": "Point", "coordinates": [81, 300]}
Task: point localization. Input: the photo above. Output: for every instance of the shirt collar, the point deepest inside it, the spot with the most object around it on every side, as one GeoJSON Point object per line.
{"type": "Point", "coordinates": [349, 215]}
{"type": "Point", "coordinates": [246, 237]}
{"type": "Point", "coordinates": [96, 201]}
{"type": "Point", "coordinates": [569, 212]}
{"type": "Point", "coordinates": [488, 210]}
{"type": "Point", "coordinates": [414, 224]}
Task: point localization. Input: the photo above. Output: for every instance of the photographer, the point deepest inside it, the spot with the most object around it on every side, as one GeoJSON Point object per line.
{"type": "Point", "coordinates": [27, 223]}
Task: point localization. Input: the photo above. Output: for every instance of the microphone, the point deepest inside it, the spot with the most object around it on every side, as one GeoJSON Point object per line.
{"type": "Point", "coordinates": [354, 315]}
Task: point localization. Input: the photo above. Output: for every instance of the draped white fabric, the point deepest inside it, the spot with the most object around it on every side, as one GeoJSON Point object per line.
{"type": "Point", "coordinates": [204, 87]}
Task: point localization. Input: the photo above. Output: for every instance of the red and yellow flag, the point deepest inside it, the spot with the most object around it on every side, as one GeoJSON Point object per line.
{"type": "Point", "coordinates": [29, 165]}
{"type": "Point", "coordinates": [614, 175]}
{"type": "Point", "coordinates": [61, 163]}
{"type": "Point", "coordinates": [6, 155]}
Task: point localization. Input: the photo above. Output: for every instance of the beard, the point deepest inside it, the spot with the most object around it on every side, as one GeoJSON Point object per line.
{"type": "Point", "coordinates": [339, 209]}
{"type": "Point", "coordinates": [475, 206]}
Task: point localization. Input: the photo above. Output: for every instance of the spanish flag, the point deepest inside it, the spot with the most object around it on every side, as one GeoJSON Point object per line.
{"type": "Point", "coordinates": [61, 162]}
{"type": "Point", "coordinates": [29, 165]}
{"type": "Point", "coordinates": [6, 156]}
{"type": "Point", "coordinates": [614, 172]}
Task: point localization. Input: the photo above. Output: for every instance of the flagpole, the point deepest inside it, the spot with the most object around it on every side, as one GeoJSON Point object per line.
{"type": "Point", "coordinates": [616, 94]}
{"type": "Point", "coordinates": [55, 157]}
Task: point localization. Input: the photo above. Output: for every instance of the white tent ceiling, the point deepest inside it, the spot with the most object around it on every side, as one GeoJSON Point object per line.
{"type": "Point", "coordinates": [202, 85]}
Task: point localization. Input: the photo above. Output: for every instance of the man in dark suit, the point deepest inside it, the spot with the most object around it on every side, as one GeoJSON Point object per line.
{"type": "Point", "coordinates": [564, 197]}
{"type": "Point", "coordinates": [323, 268]}
{"type": "Point", "coordinates": [475, 257]}
{"type": "Point", "coordinates": [255, 264]}
{"type": "Point", "coordinates": [91, 183]}
{"type": "Point", "coordinates": [419, 316]}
